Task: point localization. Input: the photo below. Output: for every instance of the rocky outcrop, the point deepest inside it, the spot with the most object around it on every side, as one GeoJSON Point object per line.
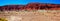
{"type": "Point", "coordinates": [31, 6]}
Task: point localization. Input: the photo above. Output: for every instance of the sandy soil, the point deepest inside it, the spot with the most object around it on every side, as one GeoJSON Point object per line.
{"type": "Point", "coordinates": [40, 15]}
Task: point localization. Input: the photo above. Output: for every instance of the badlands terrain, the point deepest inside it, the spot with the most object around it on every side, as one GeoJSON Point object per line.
{"type": "Point", "coordinates": [31, 12]}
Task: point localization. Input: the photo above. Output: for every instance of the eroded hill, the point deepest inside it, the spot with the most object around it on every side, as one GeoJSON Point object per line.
{"type": "Point", "coordinates": [31, 6]}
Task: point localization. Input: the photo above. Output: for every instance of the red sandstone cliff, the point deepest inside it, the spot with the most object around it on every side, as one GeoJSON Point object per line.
{"type": "Point", "coordinates": [31, 6]}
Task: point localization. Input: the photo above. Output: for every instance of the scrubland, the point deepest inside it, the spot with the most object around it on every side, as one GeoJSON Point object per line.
{"type": "Point", "coordinates": [35, 15]}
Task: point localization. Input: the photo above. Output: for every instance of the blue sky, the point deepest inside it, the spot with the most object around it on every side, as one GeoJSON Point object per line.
{"type": "Point", "coordinates": [8, 2]}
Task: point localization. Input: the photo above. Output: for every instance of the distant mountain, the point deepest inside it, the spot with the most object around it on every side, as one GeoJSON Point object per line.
{"type": "Point", "coordinates": [31, 6]}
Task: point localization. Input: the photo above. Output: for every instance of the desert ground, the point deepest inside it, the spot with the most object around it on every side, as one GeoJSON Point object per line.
{"type": "Point", "coordinates": [39, 15]}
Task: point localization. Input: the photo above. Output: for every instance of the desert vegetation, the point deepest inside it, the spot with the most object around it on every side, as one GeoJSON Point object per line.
{"type": "Point", "coordinates": [31, 12]}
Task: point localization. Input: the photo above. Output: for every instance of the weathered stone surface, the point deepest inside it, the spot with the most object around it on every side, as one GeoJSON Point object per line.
{"type": "Point", "coordinates": [31, 6]}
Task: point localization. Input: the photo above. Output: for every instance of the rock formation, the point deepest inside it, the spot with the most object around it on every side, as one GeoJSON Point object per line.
{"type": "Point", "coordinates": [31, 6]}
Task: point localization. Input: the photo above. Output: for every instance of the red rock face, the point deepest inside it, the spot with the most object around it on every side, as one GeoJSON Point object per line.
{"type": "Point", "coordinates": [32, 6]}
